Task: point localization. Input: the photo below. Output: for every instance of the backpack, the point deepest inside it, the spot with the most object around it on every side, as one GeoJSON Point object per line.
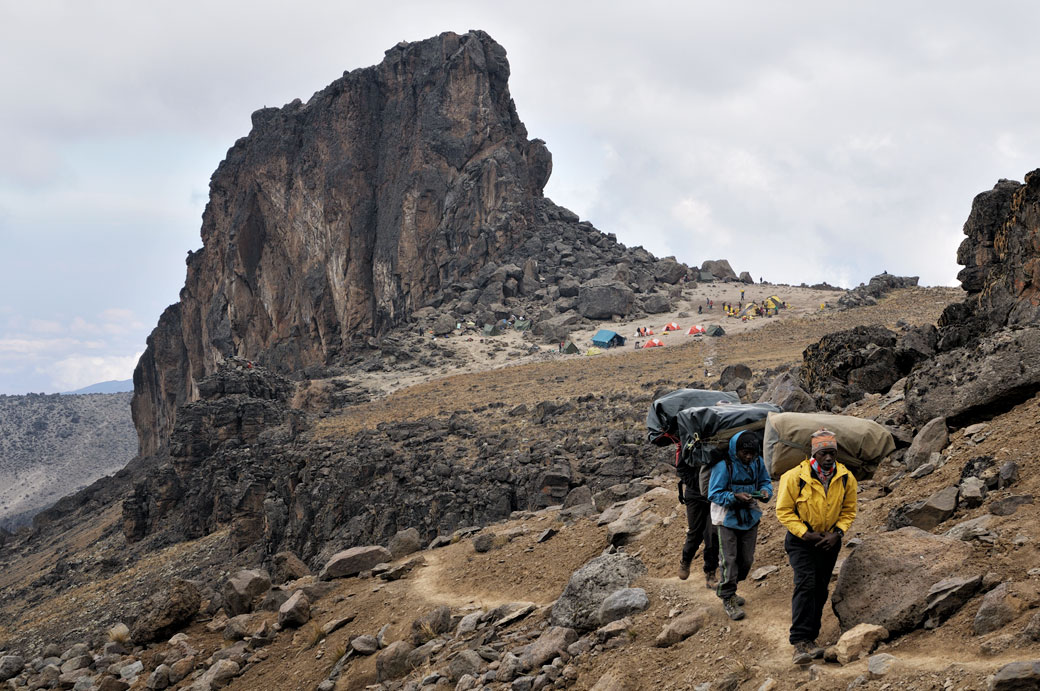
{"type": "Point", "coordinates": [704, 432]}
{"type": "Point", "coordinates": [862, 444]}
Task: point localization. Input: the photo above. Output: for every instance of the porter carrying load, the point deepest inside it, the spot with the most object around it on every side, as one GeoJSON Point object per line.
{"type": "Point", "coordinates": [862, 444]}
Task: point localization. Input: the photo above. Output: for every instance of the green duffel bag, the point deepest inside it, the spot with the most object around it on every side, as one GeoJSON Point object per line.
{"type": "Point", "coordinates": [862, 444]}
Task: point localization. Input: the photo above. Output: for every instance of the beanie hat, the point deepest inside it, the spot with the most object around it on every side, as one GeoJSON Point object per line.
{"type": "Point", "coordinates": [823, 439]}
{"type": "Point", "coordinates": [749, 440]}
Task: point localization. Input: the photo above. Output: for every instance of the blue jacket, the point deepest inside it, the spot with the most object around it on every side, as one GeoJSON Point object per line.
{"type": "Point", "coordinates": [745, 478]}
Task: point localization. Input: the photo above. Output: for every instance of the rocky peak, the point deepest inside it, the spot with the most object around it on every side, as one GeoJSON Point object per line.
{"type": "Point", "coordinates": [334, 219]}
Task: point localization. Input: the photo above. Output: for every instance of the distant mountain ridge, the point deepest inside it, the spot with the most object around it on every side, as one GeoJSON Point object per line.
{"type": "Point", "coordinates": [52, 445]}
{"type": "Point", "coordinates": [112, 386]}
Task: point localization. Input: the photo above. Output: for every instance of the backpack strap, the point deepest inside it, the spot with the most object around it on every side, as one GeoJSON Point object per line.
{"type": "Point", "coordinates": [801, 484]}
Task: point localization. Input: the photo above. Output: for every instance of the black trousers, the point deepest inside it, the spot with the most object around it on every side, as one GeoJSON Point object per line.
{"type": "Point", "coordinates": [738, 554]}
{"type": "Point", "coordinates": [812, 575]}
{"type": "Point", "coordinates": [698, 525]}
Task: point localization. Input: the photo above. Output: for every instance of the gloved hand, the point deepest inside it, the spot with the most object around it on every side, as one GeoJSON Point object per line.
{"type": "Point", "coordinates": [829, 541]}
{"type": "Point", "coordinates": [813, 538]}
{"type": "Point", "coordinates": [743, 497]}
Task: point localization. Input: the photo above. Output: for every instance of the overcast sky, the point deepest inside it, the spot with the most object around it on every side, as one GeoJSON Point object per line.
{"type": "Point", "coordinates": [808, 141]}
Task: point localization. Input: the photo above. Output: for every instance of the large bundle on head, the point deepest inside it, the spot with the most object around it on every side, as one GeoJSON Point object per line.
{"type": "Point", "coordinates": [862, 444]}
{"type": "Point", "coordinates": [660, 420]}
{"type": "Point", "coordinates": [705, 432]}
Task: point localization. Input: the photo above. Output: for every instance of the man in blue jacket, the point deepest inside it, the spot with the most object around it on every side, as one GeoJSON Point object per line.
{"type": "Point", "coordinates": [735, 484]}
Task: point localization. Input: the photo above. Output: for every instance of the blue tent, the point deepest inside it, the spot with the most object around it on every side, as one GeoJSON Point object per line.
{"type": "Point", "coordinates": [605, 338]}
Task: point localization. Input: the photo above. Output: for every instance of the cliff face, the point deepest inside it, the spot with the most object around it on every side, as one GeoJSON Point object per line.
{"type": "Point", "coordinates": [335, 219]}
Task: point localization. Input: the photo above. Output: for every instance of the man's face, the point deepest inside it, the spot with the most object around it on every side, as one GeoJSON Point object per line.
{"type": "Point", "coordinates": [745, 455]}
{"type": "Point", "coordinates": [826, 458]}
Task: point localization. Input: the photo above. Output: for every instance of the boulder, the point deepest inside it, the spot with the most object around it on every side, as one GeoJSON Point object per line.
{"type": "Point", "coordinates": [785, 391]}
{"type": "Point", "coordinates": [578, 496]}
{"type": "Point", "coordinates": [925, 514]}
{"type": "Point", "coordinates": [622, 603]}
{"type": "Point", "coordinates": [605, 301]}
{"type": "Point", "coordinates": [432, 624]}
{"type": "Point", "coordinates": [656, 304]}
{"type": "Point", "coordinates": [444, 325]}
{"type": "Point", "coordinates": [166, 612]}
{"type": "Point", "coordinates": [999, 607]}
{"type": "Point", "coordinates": [881, 664]}
{"type": "Point", "coordinates": [392, 661]}
{"type": "Point", "coordinates": [932, 438]}
{"type": "Point", "coordinates": [351, 562]}
{"type": "Point", "coordinates": [296, 611]}
{"type": "Point", "coordinates": [288, 567]}
{"type": "Point", "coordinates": [731, 374]}
{"type": "Point", "coordinates": [720, 269]}
{"type": "Point", "coordinates": [244, 589]}
{"type": "Point", "coordinates": [858, 642]}
{"type": "Point", "coordinates": [947, 596]}
{"type": "Point", "coordinates": [669, 271]}
{"type": "Point", "coordinates": [217, 677]}
{"type": "Point", "coordinates": [681, 628]}
{"type": "Point", "coordinates": [1016, 676]}
{"type": "Point", "coordinates": [405, 542]}
{"type": "Point", "coordinates": [10, 666]}
{"type": "Point", "coordinates": [886, 579]}
{"type": "Point", "coordinates": [551, 643]}
{"type": "Point", "coordinates": [364, 644]}
{"type": "Point", "coordinates": [587, 588]}
{"type": "Point", "coordinates": [466, 662]}
{"type": "Point", "coordinates": [844, 365]}
{"type": "Point", "coordinates": [972, 492]}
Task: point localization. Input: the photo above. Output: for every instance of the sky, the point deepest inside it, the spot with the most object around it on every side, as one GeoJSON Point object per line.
{"type": "Point", "coordinates": [803, 142]}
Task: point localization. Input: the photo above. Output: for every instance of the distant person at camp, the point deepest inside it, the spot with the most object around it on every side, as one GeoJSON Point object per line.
{"type": "Point", "coordinates": [736, 483]}
{"type": "Point", "coordinates": [816, 502]}
{"type": "Point", "coordinates": [741, 294]}
{"type": "Point", "coordinates": [699, 309]}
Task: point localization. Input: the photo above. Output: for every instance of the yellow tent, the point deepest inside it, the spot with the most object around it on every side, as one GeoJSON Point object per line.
{"type": "Point", "coordinates": [593, 351]}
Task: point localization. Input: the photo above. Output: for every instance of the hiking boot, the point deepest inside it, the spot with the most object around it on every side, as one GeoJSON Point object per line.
{"type": "Point", "coordinates": [710, 580]}
{"type": "Point", "coordinates": [684, 570]}
{"type": "Point", "coordinates": [803, 652]}
{"type": "Point", "coordinates": [733, 610]}
{"type": "Point", "coordinates": [739, 599]}
{"type": "Point", "coordinates": [815, 649]}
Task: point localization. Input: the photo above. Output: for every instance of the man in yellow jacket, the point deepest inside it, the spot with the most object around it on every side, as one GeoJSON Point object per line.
{"type": "Point", "coordinates": [816, 502]}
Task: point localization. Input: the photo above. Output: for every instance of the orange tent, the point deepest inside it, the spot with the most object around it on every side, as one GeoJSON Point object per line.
{"type": "Point", "coordinates": [653, 343]}
{"type": "Point", "coordinates": [671, 326]}
{"type": "Point", "coordinates": [695, 330]}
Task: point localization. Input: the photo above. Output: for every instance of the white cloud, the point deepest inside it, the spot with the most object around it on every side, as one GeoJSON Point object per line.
{"type": "Point", "coordinates": [45, 326]}
{"type": "Point", "coordinates": [76, 371]}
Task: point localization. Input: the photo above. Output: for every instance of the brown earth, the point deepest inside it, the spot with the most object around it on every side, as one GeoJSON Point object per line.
{"type": "Point", "coordinates": [755, 649]}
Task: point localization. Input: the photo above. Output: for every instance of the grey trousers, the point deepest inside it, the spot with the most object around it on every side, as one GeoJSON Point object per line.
{"type": "Point", "coordinates": [738, 553]}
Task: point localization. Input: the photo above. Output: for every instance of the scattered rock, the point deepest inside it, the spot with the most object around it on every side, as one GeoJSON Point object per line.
{"type": "Point", "coordinates": [364, 645]}
{"type": "Point", "coordinates": [10, 666]}
{"type": "Point", "coordinates": [467, 662]}
{"type": "Point", "coordinates": [1009, 505]}
{"type": "Point", "coordinates": [947, 596]}
{"type": "Point", "coordinates": [166, 612]}
{"type": "Point", "coordinates": [296, 611]}
{"type": "Point", "coordinates": [552, 641]}
{"type": "Point", "coordinates": [681, 628]}
{"type": "Point", "coordinates": [972, 492]}
{"type": "Point", "coordinates": [925, 514]}
{"type": "Point", "coordinates": [244, 589]}
{"type": "Point", "coordinates": [288, 567]}
{"type": "Point", "coordinates": [578, 606]}
{"type": "Point", "coordinates": [622, 603]}
{"type": "Point", "coordinates": [764, 571]}
{"type": "Point", "coordinates": [858, 642]}
{"type": "Point", "coordinates": [433, 623]}
{"type": "Point", "coordinates": [971, 529]}
{"type": "Point", "coordinates": [353, 561]}
{"type": "Point", "coordinates": [999, 607]}
{"type": "Point", "coordinates": [484, 542]}
{"type": "Point", "coordinates": [932, 438]}
{"type": "Point", "coordinates": [1017, 676]}
{"type": "Point", "coordinates": [881, 664]}
{"type": "Point", "coordinates": [405, 542]}
{"type": "Point", "coordinates": [392, 662]}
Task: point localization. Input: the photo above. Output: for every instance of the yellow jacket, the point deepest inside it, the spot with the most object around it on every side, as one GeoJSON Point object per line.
{"type": "Point", "coordinates": [800, 499]}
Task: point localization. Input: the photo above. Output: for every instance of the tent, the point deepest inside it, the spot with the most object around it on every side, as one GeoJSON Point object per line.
{"type": "Point", "coordinates": [522, 325]}
{"type": "Point", "coordinates": [593, 351]}
{"type": "Point", "coordinates": [715, 330]}
{"type": "Point", "coordinates": [605, 338]}
{"type": "Point", "coordinates": [671, 326]}
{"type": "Point", "coordinates": [695, 330]}
{"type": "Point", "coordinates": [653, 343]}
{"type": "Point", "coordinates": [492, 330]}
{"type": "Point", "coordinates": [707, 277]}
{"type": "Point", "coordinates": [748, 310]}
{"type": "Point", "coordinates": [570, 348]}
{"type": "Point", "coordinates": [773, 301]}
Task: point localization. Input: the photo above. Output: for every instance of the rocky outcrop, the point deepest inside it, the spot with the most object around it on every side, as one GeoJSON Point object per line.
{"type": "Point", "coordinates": [869, 293]}
{"type": "Point", "coordinates": [406, 186]}
{"type": "Point", "coordinates": [720, 269]}
{"type": "Point", "coordinates": [987, 343]}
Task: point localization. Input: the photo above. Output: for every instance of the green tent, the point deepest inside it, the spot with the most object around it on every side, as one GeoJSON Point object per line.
{"type": "Point", "coordinates": [492, 330]}
{"type": "Point", "coordinates": [715, 330]}
{"type": "Point", "coordinates": [522, 325]}
{"type": "Point", "coordinates": [570, 348]}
